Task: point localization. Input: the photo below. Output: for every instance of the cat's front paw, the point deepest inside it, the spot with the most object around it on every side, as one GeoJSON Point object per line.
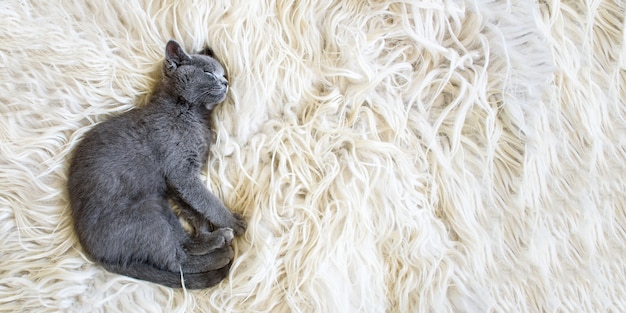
{"type": "Point", "coordinates": [238, 224]}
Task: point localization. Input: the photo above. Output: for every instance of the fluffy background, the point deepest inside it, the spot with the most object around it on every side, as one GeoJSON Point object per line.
{"type": "Point", "coordinates": [402, 156]}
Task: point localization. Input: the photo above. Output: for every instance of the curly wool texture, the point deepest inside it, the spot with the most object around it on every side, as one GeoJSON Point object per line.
{"type": "Point", "coordinates": [401, 156]}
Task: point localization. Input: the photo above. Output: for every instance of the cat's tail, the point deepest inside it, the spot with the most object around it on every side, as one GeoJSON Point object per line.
{"type": "Point", "coordinates": [170, 279]}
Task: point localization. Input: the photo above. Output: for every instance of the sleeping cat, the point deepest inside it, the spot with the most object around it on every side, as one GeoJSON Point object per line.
{"type": "Point", "coordinates": [124, 171]}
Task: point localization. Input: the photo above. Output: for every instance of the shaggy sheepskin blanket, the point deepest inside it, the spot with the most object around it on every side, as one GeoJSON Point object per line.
{"type": "Point", "coordinates": [389, 156]}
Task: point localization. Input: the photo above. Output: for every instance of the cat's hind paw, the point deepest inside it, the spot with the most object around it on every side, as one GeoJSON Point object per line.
{"type": "Point", "coordinates": [227, 234]}
{"type": "Point", "coordinates": [207, 242]}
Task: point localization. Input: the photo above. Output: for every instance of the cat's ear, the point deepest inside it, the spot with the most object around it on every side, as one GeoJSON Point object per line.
{"type": "Point", "coordinates": [175, 55]}
{"type": "Point", "coordinates": [207, 51]}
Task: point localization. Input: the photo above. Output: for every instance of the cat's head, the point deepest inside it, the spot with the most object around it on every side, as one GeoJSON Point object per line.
{"type": "Point", "coordinates": [198, 78]}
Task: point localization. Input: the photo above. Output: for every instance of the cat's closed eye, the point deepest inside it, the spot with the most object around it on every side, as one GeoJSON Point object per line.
{"type": "Point", "coordinates": [210, 73]}
{"type": "Point", "coordinates": [215, 76]}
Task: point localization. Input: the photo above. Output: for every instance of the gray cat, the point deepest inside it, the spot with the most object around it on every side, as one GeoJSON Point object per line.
{"type": "Point", "coordinates": [124, 171]}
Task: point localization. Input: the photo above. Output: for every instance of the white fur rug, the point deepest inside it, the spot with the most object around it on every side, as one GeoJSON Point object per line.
{"type": "Point", "coordinates": [401, 156]}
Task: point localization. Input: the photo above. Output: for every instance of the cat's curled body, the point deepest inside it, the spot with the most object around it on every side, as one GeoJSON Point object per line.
{"type": "Point", "coordinates": [124, 170]}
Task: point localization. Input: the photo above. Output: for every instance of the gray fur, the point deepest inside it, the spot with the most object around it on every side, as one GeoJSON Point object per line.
{"type": "Point", "coordinates": [125, 169]}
